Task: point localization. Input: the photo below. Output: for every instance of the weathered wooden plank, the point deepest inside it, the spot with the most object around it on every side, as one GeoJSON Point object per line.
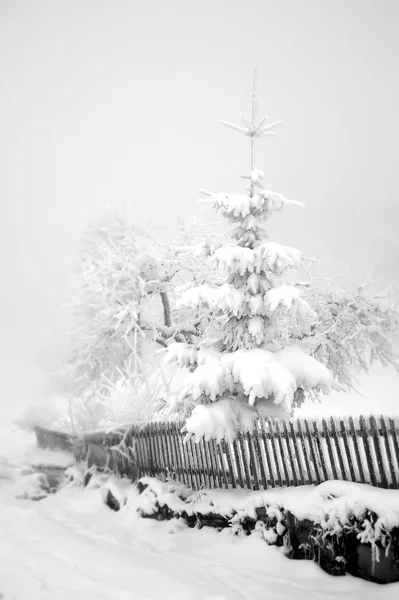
{"type": "Point", "coordinates": [237, 464]}
{"type": "Point", "coordinates": [264, 438]}
{"type": "Point", "coordinates": [319, 447]}
{"type": "Point", "coordinates": [253, 465]}
{"type": "Point", "coordinates": [154, 449]}
{"type": "Point", "coordinates": [162, 448]}
{"type": "Point", "coordinates": [365, 437]}
{"type": "Point", "coordinates": [259, 455]}
{"type": "Point", "coordinates": [389, 453]}
{"type": "Point", "coordinates": [226, 450]}
{"type": "Point", "coordinates": [196, 464]}
{"type": "Point", "coordinates": [160, 454]}
{"type": "Point", "coordinates": [310, 440]}
{"type": "Point", "coordinates": [244, 460]}
{"type": "Point", "coordinates": [392, 429]}
{"type": "Point", "coordinates": [294, 467]}
{"type": "Point", "coordinates": [280, 445]}
{"type": "Point", "coordinates": [136, 445]}
{"type": "Point", "coordinates": [349, 459]}
{"type": "Point", "coordinates": [171, 463]}
{"type": "Point", "coordinates": [305, 454]}
{"type": "Point", "coordinates": [220, 457]}
{"type": "Point", "coordinates": [380, 462]}
{"type": "Point", "coordinates": [205, 464]}
{"type": "Point", "coordinates": [144, 470]}
{"type": "Point", "coordinates": [213, 464]}
{"type": "Point", "coordinates": [188, 463]}
{"type": "Point", "coordinates": [357, 451]}
{"type": "Point", "coordinates": [291, 435]}
{"type": "Point", "coordinates": [151, 457]}
{"type": "Point", "coordinates": [329, 449]}
{"type": "Point", "coordinates": [181, 476]}
{"type": "Point", "coordinates": [274, 449]}
{"type": "Point", "coordinates": [334, 433]}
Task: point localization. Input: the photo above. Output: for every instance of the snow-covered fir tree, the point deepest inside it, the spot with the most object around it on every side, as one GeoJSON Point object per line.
{"type": "Point", "coordinates": [245, 365]}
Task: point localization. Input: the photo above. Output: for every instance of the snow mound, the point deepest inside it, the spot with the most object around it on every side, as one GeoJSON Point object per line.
{"type": "Point", "coordinates": [221, 420]}
{"type": "Point", "coordinates": [308, 372]}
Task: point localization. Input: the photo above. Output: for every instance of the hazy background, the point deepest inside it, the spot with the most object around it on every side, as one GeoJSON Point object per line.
{"type": "Point", "coordinates": [103, 101]}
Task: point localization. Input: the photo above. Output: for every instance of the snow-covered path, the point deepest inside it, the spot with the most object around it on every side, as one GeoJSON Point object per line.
{"type": "Point", "coordinates": [70, 546]}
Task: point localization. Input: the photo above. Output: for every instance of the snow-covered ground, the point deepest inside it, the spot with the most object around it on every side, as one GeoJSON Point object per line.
{"type": "Point", "coordinates": [70, 546]}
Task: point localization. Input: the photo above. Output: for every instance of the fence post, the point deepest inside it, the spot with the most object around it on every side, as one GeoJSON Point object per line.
{"type": "Point", "coordinates": [364, 433]}
{"type": "Point", "coordinates": [380, 462]}
{"type": "Point", "coordinates": [388, 451]}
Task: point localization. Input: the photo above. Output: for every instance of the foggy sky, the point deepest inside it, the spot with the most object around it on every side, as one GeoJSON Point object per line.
{"type": "Point", "coordinates": [103, 101]}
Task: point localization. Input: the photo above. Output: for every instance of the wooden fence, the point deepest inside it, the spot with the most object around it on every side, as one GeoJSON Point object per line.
{"type": "Point", "coordinates": [277, 453]}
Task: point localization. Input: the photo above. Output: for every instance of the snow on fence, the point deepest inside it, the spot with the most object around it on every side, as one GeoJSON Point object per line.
{"type": "Point", "coordinates": [277, 453]}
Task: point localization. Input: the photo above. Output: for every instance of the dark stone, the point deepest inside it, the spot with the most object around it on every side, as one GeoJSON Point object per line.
{"type": "Point", "coordinates": [301, 542]}
{"type": "Point", "coordinates": [380, 566]}
{"type": "Point", "coordinates": [308, 542]}
{"type": "Point", "coordinates": [166, 513]}
{"type": "Point", "coordinates": [87, 477]}
{"type": "Point", "coordinates": [190, 520]}
{"type": "Point", "coordinates": [248, 525]}
{"type": "Point", "coordinates": [330, 553]}
{"type": "Point", "coordinates": [162, 513]}
{"type": "Point", "coordinates": [271, 522]}
{"type": "Point", "coordinates": [141, 486]}
{"type": "Point", "coordinates": [212, 520]}
{"type": "Point", "coordinates": [111, 501]}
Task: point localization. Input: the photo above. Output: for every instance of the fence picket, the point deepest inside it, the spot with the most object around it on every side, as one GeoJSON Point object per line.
{"type": "Point", "coordinates": [377, 448]}
{"type": "Point", "coordinates": [345, 435]}
{"type": "Point", "coordinates": [213, 464]}
{"type": "Point", "coordinates": [221, 459]}
{"type": "Point", "coordinates": [204, 460]}
{"type": "Point", "coordinates": [244, 460]}
{"type": "Point", "coordinates": [188, 462]}
{"type": "Point", "coordinates": [274, 449]}
{"type": "Point", "coordinates": [357, 451]}
{"type": "Point", "coordinates": [392, 429]}
{"type": "Point", "coordinates": [258, 452]}
{"type": "Point", "coordinates": [290, 455]}
{"type": "Point", "coordinates": [320, 451]}
{"type": "Point", "coordinates": [237, 463]}
{"type": "Point", "coordinates": [226, 451]}
{"type": "Point", "coordinates": [281, 449]}
{"type": "Point", "coordinates": [329, 449]}
{"type": "Point", "coordinates": [388, 451]}
{"type": "Point", "coordinates": [364, 433]}
{"type": "Point", "coordinates": [253, 465]}
{"type": "Point", "coordinates": [267, 454]}
{"type": "Point", "coordinates": [176, 452]}
{"type": "Point", "coordinates": [310, 440]}
{"type": "Point", "coordinates": [301, 480]}
{"type": "Point", "coordinates": [338, 448]}
{"type": "Point", "coordinates": [305, 454]}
